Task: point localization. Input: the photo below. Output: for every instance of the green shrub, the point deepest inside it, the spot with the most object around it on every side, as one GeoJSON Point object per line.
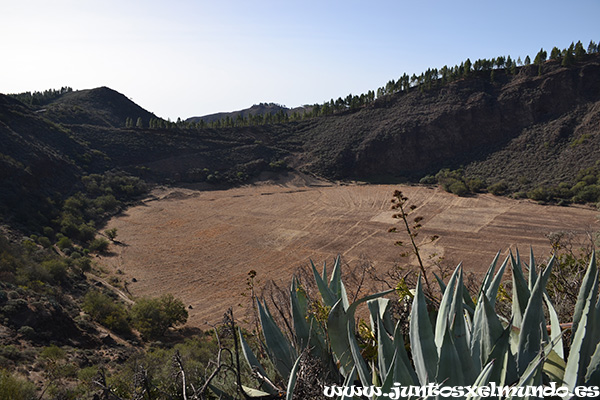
{"type": "Point", "coordinates": [64, 243]}
{"type": "Point", "coordinates": [458, 188]}
{"type": "Point", "coordinates": [44, 242]}
{"type": "Point", "coordinates": [152, 317]}
{"type": "Point", "coordinates": [107, 312]}
{"type": "Point", "coordinates": [99, 245]}
{"type": "Point", "coordinates": [14, 388]}
{"type": "Point", "coordinates": [57, 269]}
{"type": "Point", "coordinates": [588, 194]}
{"type": "Point", "coordinates": [476, 185]}
{"type": "Point", "coordinates": [27, 331]}
{"type": "Point", "coordinates": [111, 233]}
{"type": "Point", "coordinates": [53, 353]}
{"type": "Point", "coordinates": [539, 194]}
{"type": "Point", "coordinates": [428, 180]}
{"type": "Point", "coordinates": [498, 188]}
{"type": "Point", "coordinates": [106, 203]}
{"type": "Point", "coordinates": [87, 233]}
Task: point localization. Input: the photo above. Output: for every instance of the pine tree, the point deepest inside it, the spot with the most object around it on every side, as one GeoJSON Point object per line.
{"type": "Point", "coordinates": [540, 57]}
{"type": "Point", "coordinates": [467, 67]}
{"type": "Point", "coordinates": [579, 51]}
{"type": "Point", "coordinates": [568, 58]}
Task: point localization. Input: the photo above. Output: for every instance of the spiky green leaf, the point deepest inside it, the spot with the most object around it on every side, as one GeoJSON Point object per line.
{"type": "Point", "coordinates": [492, 290]}
{"type": "Point", "coordinates": [279, 348]}
{"type": "Point", "coordinates": [292, 381]}
{"type": "Point", "coordinates": [328, 296]}
{"type": "Point", "coordinates": [487, 329]}
{"type": "Point", "coordinates": [521, 291]}
{"type": "Point", "coordinates": [449, 369]}
{"type": "Point", "coordinates": [581, 345]}
{"type": "Point", "coordinates": [444, 318]}
{"type": "Point", "coordinates": [359, 362]}
{"type": "Point", "coordinates": [531, 335]}
{"type": "Point", "coordinates": [587, 284]}
{"type": "Point", "coordinates": [255, 365]}
{"type": "Point", "coordinates": [422, 341]}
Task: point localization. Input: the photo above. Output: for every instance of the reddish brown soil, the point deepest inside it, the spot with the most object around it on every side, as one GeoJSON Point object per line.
{"type": "Point", "coordinates": [200, 245]}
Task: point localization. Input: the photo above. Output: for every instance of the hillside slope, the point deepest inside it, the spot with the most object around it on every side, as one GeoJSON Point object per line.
{"type": "Point", "coordinates": [537, 127]}
{"type": "Point", "coordinates": [99, 107]}
{"type": "Point", "coordinates": [468, 121]}
{"type": "Point", "coordinates": [256, 109]}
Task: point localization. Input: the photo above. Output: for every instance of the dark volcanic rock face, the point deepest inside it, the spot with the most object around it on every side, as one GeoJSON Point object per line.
{"type": "Point", "coordinates": [466, 121]}
{"type": "Point", "coordinates": [472, 122]}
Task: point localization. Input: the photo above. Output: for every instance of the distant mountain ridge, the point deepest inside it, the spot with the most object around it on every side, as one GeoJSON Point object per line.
{"type": "Point", "coordinates": [536, 125]}
{"type": "Point", "coordinates": [256, 109]}
{"type": "Point", "coordinates": [100, 107]}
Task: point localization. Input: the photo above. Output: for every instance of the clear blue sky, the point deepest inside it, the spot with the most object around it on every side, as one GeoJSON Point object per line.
{"type": "Point", "coordinates": [182, 58]}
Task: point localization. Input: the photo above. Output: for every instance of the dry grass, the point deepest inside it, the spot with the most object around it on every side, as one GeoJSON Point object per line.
{"type": "Point", "coordinates": [200, 246]}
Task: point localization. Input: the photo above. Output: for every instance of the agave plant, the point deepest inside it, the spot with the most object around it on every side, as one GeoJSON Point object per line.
{"type": "Point", "coordinates": [468, 343]}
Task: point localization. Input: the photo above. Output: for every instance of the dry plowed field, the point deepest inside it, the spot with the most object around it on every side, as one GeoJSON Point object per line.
{"type": "Point", "coordinates": [200, 245]}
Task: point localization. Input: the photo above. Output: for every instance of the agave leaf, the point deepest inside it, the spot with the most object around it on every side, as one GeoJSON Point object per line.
{"type": "Point", "coordinates": [468, 305]}
{"type": "Point", "coordinates": [336, 277]}
{"type": "Point", "coordinates": [554, 367]}
{"type": "Point", "coordinates": [299, 314]}
{"type": "Point", "coordinates": [422, 342]}
{"type": "Point", "coordinates": [348, 382]}
{"type": "Point", "coordinates": [509, 369]}
{"type": "Point", "coordinates": [404, 372]}
{"type": "Point", "coordinates": [344, 296]}
{"type": "Point", "coordinates": [588, 282]}
{"type": "Point", "coordinates": [555, 329]}
{"type": "Point", "coordinates": [593, 371]}
{"type": "Point", "coordinates": [443, 315]}
{"type": "Point", "coordinates": [328, 296]}
{"type": "Point", "coordinates": [359, 362]}
{"type": "Point", "coordinates": [379, 307]}
{"type": "Point", "coordinates": [531, 336]}
{"type": "Point", "coordinates": [353, 306]}
{"type": "Point", "coordinates": [532, 274]}
{"type": "Point", "coordinates": [389, 379]}
{"type": "Point", "coordinates": [532, 375]}
{"type": "Point", "coordinates": [337, 323]}
{"type": "Point", "coordinates": [255, 365]}
{"type": "Point", "coordinates": [581, 345]}
{"type": "Point", "coordinates": [440, 283]}
{"type": "Point", "coordinates": [385, 350]}
{"type": "Point", "coordinates": [281, 352]}
{"type": "Point", "coordinates": [482, 379]}
{"type": "Point", "coordinates": [449, 368]}
{"type": "Point", "coordinates": [487, 329]}
{"type": "Point", "coordinates": [492, 290]}
{"type": "Point", "coordinates": [460, 333]}
{"type": "Point", "coordinates": [520, 292]}
{"type": "Point", "coordinates": [499, 356]}
{"type": "Point", "coordinates": [254, 392]}
{"type": "Point", "coordinates": [487, 279]}
{"type": "Point", "coordinates": [306, 332]}
{"type": "Point", "coordinates": [292, 381]}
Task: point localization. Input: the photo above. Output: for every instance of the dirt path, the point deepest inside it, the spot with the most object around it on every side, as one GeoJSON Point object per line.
{"type": "Point", "coordinates": [201, 245]}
